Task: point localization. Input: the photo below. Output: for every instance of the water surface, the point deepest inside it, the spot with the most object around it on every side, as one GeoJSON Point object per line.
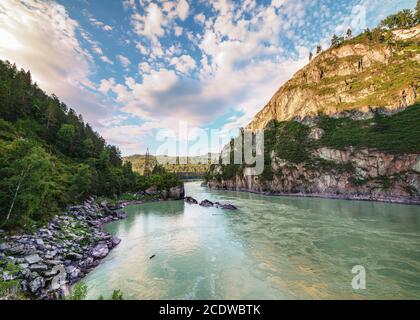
{"type": "Point", "coordinates": [272, 248]}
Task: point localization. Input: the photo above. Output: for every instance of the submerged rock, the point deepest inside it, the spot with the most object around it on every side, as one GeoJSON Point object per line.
{"type": "Point", "coordinates": [227, 206]}
{"type": "Point", "coordinates": [190, 200]}
{"type": "Point", "coordinates": [206, 203]}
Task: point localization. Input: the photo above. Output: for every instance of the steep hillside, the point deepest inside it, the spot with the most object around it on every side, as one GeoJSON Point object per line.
{"type": "Point", "coordinates": [374, 70]}
{"type": "Point", "coordinates": [345, 126]}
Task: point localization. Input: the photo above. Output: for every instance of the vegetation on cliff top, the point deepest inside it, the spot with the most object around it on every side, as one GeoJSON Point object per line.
{"type": "Point", "coordinates": [50, 158]}
{"type": "Point", "coordinates": [398, 133]}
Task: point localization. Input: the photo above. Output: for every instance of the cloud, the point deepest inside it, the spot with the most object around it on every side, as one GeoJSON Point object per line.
{"type": "Point", "coordinates": [183, 9]}
{"type": "Point", "coordinates": [100, 24]}
{"type": "Point", "coordinates": [106, 60]}
{"type": "Point", "coordinates": [125, 62]}
{"type": "Point", "coordinates": [184, 63]}
{"type": "Point", "coordinates": [32, 29]}
{"type": "Point", "coordinates": [178, 31]}
{"type": "Point", "coordinates": [200, 18]}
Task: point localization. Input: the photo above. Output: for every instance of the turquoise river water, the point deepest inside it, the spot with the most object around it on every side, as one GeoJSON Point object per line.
{"type": "Point", "coordinates": [271, 248]}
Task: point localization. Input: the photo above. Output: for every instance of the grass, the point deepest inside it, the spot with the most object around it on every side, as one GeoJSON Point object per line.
{"type": "Point", "coordinates": [398, 133]}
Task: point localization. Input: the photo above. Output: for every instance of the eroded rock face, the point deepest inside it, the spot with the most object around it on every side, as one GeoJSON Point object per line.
{"type": "Point", "coordinates": [370, 175]}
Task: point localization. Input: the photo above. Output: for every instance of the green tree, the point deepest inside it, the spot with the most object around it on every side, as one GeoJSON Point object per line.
{"type": "Point", "coordinates": [402, 19]}
{"type": "Point", "coordinates": [82, 183]}
{"type": "Point", "coordinates": [67, 136]}
{"type": "Point", "coordinates": [417, 12]}
{"type": "Point", "coordinates": [27, 178]}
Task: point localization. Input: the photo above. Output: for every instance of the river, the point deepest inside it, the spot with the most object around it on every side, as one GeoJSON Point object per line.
{"type": "Point", "coordinates": [271, 248]}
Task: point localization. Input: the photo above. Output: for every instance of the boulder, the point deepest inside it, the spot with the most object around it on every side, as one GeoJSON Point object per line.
{"type": "Point", "coordinates": [153, 190]}
{"type": "Point", "coordinates": [38, 267]}
{"type": "Point", "coordinates": [4, 247]}
{"type": "Point", "coordinates": [190, 200]}
{"type": "Point", "coordinates": [7, 276]}
{"type": "Point", "coordinates": [206, 203]}
{"type": "Point", "coordinates": [316, 133]}
{"type": "Point", "coordinates": [227, 206]}
{"type": "Point", "coordinates": [87, 263]}
{"type": "Point", "coordinates": [36, 284]}
{"type": "Point", "coordinates": [177, 192]}
{"type": "Point", "coordinates": [115, 241]}
{"type": "Point", "coordinates": [34, 258]}
{"type": "Point", "coordinates": [73, 273]}
{"type": "Point", "coordinates": [100, 251]}
{"type": "Point", "coordinates": [59, 278]}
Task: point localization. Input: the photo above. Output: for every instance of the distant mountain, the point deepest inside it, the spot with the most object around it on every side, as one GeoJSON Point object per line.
{"type": "Point", "coordinates": [183, 166]}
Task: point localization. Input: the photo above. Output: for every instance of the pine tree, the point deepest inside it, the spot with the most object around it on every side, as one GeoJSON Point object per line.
{"type": "Point", "coordinates": [335, 41]}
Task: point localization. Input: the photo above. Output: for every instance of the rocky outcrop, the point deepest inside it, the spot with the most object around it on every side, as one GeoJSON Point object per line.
{"type": "Point", "coordinates": [173, 193]}
{"type": "Point", "coordinates": [345, 174]}
{"type": "Point", "coordinates": [341, 79]}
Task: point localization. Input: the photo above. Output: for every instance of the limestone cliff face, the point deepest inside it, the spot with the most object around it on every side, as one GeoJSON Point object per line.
{"type": "Point", "coordinates": [359, 75]}
{"type": "Point", "coordinates": [377, 176]}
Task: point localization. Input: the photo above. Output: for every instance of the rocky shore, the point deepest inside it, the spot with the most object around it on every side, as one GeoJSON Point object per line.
{"type": "Point", "coordinates": [45, 264]}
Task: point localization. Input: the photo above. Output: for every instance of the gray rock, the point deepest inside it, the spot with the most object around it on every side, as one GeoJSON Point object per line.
{"type": "Point", "coordinates": [59, 279]}
{"type": "Point", "coordinates": [316, 133]}
{"type": "Point", "coordinates": [206, 203]}
{"type": "Point", "coordinates": [115, 241]}
{"type": "Point", "coordinates": [4, 247]}
{"type": "Point", "coordinates": [73, 256]}
{"type": "Point", "coordinates": [100, 251]}
{"type": "Point", "coordinates": [53, 262]}
{"type": "Point", "coordinates": [17, 250]}
{"type": "Point", "coordinates": [227, 206]}
{"type": "Point", "coordinates": [34, 258]}
{"type": "Point", "coordinates": [177, 192]}
{"type": "Point", "coordinates": [7, 276]}
{"type": "Point", "coordinates": [190, 200]}
{"type": "Point", "coordinates": [36, 284]}
{"type": "Point", "coordinates": [87, 263]}
{"type": "Point", "coordinates": [73, 273]}
{"type": "Point", "coordinates": [38, 267]}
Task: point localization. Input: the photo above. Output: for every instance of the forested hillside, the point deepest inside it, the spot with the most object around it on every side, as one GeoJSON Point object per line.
{"type": "Point", "coordinates": [49, 157]}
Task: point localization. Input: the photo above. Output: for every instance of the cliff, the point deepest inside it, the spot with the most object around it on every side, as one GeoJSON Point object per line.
{"type": "Point", "coordinates": [345, 126]}
{"type": "Point", "coordinates": [367, 72]}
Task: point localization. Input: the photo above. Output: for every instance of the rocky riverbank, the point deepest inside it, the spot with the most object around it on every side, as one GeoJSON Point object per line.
{"type": "Point", "coordinates": [45, 264]}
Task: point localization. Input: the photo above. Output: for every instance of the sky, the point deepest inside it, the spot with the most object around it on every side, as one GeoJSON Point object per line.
{"type": "Point", "coordinates": [136, 69]}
